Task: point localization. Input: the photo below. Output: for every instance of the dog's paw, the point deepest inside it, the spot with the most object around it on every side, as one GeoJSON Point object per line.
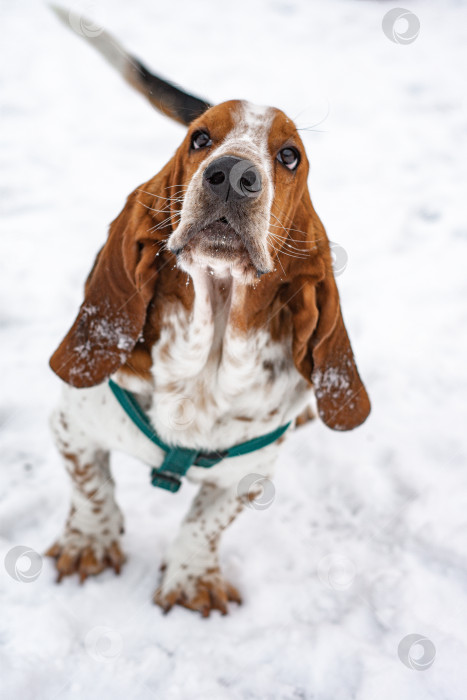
{"type": "Point", "coordinates": [85, 556]}
{"type": "Point", "coordinates": [200, 593]}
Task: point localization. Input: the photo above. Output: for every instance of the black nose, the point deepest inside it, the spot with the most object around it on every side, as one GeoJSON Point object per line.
{"type": "Point", "coordinates": [231, 178]}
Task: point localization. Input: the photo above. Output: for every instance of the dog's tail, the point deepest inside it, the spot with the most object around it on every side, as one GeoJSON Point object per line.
{"type": "Point", "coordinates": [164, 96]}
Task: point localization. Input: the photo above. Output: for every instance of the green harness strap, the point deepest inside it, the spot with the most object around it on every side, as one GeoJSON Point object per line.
{"type": "Point", "coordinates": [178, 460]}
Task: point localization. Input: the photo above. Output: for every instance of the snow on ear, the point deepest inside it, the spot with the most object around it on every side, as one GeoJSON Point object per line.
{"type": "Point", "coordinates": [342, 399]}
{"type": "Point", "coordinates": [112, 315]}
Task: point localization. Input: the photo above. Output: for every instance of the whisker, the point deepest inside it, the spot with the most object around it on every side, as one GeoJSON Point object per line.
{"type": "Point", "coordinates": [286, 240]}
{"type": "Point", "coordinates": [291, 251]}
{"type": "Point", "coordinates": [153, 194]}
{"type": "Point", "coordinates": [279, 252]}
{"type": "Point", "coordinates": [285, 252]}
{"type": "Point", "coordinates": [279, 261]}
{"type": "Point", "coordinates": [159, 211]}
{"type": "Point", "coordinates": [297, 230]}
{"type": "Point", "coordinates": [294, 240]}
{"type": "Point", "coordinates": [161, 226]}
{"type": "Point", "coordinates": [287, 230]}
{"type": "Point", "coordinates": [312, 127]}
{"type": "Point", "coordinates": [165, 222]}
{"type": "Point", "coordinates": [299, 252]}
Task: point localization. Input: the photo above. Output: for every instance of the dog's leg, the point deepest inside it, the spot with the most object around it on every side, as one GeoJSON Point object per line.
{"type": "Point", "coordinates": [90, 541]}
{"type": "Point", "coordinates": [191, 577]}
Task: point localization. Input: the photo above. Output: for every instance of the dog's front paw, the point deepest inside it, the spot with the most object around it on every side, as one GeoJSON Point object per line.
{"type": "Point", "coordinates": [209, 591]}
{"type": "Point", "coordinates": [85, 556]}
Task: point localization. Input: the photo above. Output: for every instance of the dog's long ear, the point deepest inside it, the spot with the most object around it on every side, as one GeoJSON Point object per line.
{"type": "Point", "coordinates": [321, 347]}
{"type": "Point", "coordinates": [117, 293]}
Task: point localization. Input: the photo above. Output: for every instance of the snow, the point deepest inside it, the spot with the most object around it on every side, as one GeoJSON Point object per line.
{"type": "Point", "coordinates": [365, 541]}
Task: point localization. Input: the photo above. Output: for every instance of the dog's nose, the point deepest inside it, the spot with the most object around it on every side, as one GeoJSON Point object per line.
{"type": "Point", "coordinates": [231, 178]}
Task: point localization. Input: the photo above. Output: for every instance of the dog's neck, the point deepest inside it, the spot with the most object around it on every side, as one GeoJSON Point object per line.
{"type": "Point", "coordinates": [217, 301]}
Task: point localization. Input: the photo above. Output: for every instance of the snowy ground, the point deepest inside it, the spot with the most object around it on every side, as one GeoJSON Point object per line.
{"type": "Point", "coordinates": [366, 540]}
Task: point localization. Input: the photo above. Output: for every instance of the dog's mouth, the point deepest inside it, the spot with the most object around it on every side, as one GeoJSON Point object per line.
{"type": "Point", "coordinates": [219, 239]}
{"type": "Point", "coordinates": [220, 247]}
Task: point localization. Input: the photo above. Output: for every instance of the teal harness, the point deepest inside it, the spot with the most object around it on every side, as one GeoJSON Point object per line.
{"type": "Point", "coordinates": [178, 460]}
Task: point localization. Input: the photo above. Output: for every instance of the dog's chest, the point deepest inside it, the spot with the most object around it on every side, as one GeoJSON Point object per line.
{"type": "Point", "coordinates": [214, 386]}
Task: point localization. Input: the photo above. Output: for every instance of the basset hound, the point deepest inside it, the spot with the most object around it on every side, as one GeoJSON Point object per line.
{"type": "Point", "coordinates": [213, 301]}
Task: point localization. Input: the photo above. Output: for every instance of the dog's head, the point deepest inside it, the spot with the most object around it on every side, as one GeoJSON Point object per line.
{"type": "Point", "coordinates": [234, 201]}
{"type": "Point", "coordinates": [241, 171]}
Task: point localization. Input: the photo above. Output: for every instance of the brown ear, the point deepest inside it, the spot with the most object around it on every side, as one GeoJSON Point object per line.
{"type": "Point", "coordinates": [117, 293]}
{"type": "Point", "coordinates": [321, 346]}
{"type": "Point", "coordinates": [343, 402]}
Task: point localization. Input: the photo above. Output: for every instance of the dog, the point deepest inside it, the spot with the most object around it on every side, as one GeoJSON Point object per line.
{"type": "Point", "coordinates": [210, 320]}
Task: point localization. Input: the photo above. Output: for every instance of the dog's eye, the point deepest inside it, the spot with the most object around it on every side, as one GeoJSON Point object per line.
{"type": "Point", "coordinates": [200, 139]}
{"type": "Point", "coordinates": [289, 157]}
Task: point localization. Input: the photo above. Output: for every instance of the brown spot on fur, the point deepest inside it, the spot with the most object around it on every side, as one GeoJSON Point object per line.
{"type": "Point", "coordinates": [63, 422]}
{"type": "Point", "coordinates": [304, 417]}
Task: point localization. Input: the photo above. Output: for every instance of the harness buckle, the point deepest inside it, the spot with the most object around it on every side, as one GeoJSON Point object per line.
{"type": "Point", "coordinates": [166, 481]}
